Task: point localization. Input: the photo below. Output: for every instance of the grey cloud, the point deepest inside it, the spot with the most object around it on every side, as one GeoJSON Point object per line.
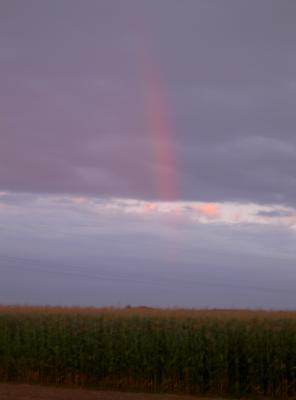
{"type": "Point", "coordinates": [274, 213]}
{"type": "Point", "coordinates": [73, 109]}
{"type": "Point", "coordinates": [19, 199]}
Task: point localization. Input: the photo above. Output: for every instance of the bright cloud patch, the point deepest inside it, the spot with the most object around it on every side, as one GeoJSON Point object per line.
{"type": "Point", "coordinates": [195, 212]}
{"type": "Point", "coordinates": [210, 210]}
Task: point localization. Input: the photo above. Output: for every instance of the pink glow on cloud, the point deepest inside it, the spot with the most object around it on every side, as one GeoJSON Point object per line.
{"type": "Point", "coordinates": [148, 207]}
{"type": "Point", "coordinates": [80, 200]}
{"type": "Point", "coordinates": [172, 212]}
{"type": "Point", "coordinates": [209, 210]}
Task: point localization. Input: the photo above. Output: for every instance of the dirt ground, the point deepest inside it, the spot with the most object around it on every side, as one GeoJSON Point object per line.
{"type": "Point", "coordinates": [32, 392]}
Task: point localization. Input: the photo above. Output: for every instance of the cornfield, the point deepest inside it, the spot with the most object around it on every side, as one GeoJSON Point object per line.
{"type": "Point", "coordinates": [200, 352]}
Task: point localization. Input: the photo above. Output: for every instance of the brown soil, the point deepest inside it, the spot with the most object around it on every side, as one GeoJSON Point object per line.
{"type": "Point", "coordinates": [34, 392]}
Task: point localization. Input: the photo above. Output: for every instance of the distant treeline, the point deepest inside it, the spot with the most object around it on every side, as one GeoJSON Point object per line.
{"type": "Point", "coordinates": [200, 352]}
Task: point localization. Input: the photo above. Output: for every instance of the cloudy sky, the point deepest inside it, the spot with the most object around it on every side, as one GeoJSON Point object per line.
{"type": "Point", "coordinates": [148, 152]}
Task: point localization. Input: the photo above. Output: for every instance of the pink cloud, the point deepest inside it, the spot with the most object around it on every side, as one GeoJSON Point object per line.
{"type": "Point", "coordinates": [209, 210]}
{"type": "Point", "coordinates": [148, 207]}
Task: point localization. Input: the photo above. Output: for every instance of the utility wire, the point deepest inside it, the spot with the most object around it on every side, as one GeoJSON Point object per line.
{"type": "Point", "coordinates": [72, 270]}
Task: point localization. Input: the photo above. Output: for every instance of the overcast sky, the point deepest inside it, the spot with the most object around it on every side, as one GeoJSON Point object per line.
{"type": "Point", "coordinates": [148, 152]}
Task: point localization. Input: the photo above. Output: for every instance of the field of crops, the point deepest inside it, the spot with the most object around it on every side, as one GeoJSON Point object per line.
{"type": "Point", "coordinates": [182, 351]}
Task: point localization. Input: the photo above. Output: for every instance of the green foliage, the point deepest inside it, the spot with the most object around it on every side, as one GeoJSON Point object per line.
{"type": "Point", "coordinates": [137, 351]}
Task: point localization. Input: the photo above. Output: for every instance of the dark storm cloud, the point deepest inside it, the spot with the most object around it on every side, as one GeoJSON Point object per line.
{"type": "Point", "coordinates": [72, 101]}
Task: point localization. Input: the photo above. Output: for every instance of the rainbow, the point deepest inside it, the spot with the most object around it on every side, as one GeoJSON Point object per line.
{"type": "Point", "coordinates": [160, 131]}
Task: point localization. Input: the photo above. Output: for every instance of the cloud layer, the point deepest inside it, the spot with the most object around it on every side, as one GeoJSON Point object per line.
{"type": "Point", "coordinates": [76, 79]}
{"type": "Point", "coordinates": [88, 251]}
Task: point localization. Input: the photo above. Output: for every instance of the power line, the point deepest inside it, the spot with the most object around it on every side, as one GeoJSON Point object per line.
{"type": "Point", "coordinates": [72, 270]}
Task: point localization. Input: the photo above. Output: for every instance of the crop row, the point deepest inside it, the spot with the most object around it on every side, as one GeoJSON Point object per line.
{"type": "Point", "coordinates": [138, 351]}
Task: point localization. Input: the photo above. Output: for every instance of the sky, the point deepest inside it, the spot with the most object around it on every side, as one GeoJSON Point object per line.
{"type": "Point", "coordinates": [147, 153]}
